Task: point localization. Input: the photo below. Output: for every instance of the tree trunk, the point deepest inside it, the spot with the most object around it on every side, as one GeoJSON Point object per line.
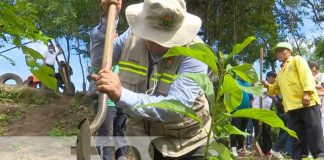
{"type": "Point", "coordinates": [83, 76]}
{"type": "Point", "coordinates": [234, 23]}
{"type": "Point", "coordinates": [63, 53]}
{"type": "Point", "coordinates": [67, 38]}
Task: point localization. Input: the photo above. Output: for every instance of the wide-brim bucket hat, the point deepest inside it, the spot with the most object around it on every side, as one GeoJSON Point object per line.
{"type": "Point", "coordinates": [165, 22]}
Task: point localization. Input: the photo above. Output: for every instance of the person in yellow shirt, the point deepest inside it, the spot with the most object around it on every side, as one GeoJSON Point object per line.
{"type": "Point", "coordinates": [296, 84]}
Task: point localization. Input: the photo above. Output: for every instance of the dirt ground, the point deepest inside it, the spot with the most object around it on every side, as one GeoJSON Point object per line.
{"type": "Point", "coordinates": [44, 116]}
{"type": "Point", "coordinates": [41, 113]}
{"type": "Point", "coordinates": [36, 123]}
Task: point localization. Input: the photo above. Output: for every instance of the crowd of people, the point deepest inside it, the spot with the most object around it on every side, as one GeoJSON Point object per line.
{"type": "Point", "coordinates": [295, 93]}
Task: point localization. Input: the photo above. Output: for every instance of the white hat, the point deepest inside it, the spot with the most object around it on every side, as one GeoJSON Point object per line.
{"type": "Point", "coordinates": [165, 22]}
{"type": "Point", "coordinates": [283, 45]}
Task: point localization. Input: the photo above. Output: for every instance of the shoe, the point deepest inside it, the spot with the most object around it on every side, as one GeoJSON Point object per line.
{"type": "Point", "coordinates": [276, 155]}
{"type": "Point", "coordinates": [234, 151]}
{"type": "Point", "coordinates": [243, 152]}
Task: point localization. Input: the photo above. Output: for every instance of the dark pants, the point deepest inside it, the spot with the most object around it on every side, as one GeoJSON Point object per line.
{"type": "Point", "coordinates": [265, 138]}
{"type": "Point", "coordinates": [249, 139]}
{"type": "Point", "coordinates": [238, 140]}
{"type": "Point", "coordinates": [118, 127]}
{"type": "Point", "coordinates": [284, 141]}
{"type": "Point", "coordinates": [306, 122]}
{"type": "Point", "coordinates": [197, 154]}
{"type": "Point", "coordinates": [113, 125]}
{"type": "Point", "coordinates": [51, 66]}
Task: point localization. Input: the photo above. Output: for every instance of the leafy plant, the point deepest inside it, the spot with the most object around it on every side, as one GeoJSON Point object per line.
{"type": "Point", "coordinates": [226, 96]}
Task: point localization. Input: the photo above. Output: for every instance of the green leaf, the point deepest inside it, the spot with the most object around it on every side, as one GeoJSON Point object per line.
{"type": "Point", "coordinates": [246, 72]}
{"type": "Point", "coordinates": [239, 47]}
{"type": "Point", "coordinates": [16, 41]}
{"type": "Point", "coordinates": [36, 55]}
{"type": "Point", "coordinates": [174, 106]}
{"type": "Point", "coordinates": [257, 90]}
{"type": "Point", "coordinates": [265, 116]}
{"type": "Point", "coordinates": [233, 130]}
{"type": "Point", "coordinates": [232, 93]}
{"type": "Point", "coordinates": [199, 51]}
{"type": "Point", "coordinates": [12, 62]}
{"type": "Point", "coordinates": [203, 81]}
{"type": "Point", "coordinates": [222, 150]}
{"type": "Point", "coordinates": [221, 56]}
{"type": "Point", "coordinates": [44, 73]}
{"type": "Point", "coordinates": [228, 67]}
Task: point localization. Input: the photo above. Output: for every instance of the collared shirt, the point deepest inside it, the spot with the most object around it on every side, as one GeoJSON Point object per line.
{"type": "Point", "coordinates": [292, 81]}
{"type": "Point", "coordinates": [183, 89]}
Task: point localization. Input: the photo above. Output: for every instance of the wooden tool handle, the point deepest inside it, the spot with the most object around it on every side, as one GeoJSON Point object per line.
{"type": "Point", "coordinates": [106, 63]}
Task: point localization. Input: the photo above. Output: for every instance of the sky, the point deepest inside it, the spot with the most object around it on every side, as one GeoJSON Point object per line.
{"type": "Point", "coordinates": [21, 69]}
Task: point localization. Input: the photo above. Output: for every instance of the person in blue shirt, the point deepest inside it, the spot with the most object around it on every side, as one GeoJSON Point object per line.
{"type": "Point", "coordinates": [237, 141]}
{"type": "Point", "coordinates": [146, 77]}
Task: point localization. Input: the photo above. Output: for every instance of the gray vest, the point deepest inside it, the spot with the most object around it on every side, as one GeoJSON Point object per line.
{"type": "Point", "coordinates": [175, 138]}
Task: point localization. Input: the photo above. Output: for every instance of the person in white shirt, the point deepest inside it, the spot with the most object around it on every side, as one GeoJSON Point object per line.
{"type": "Point", "coordinates": [319, 79]}
{"type": "Point", "coordinates": [50, 56]}
{"type": "Point", "coordinates": [265, 139]}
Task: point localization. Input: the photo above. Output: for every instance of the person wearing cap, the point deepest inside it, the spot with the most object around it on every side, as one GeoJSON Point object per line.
{"type": "Point", "coordinates": [146, 77]}
{"type": "Point", "coordinates": [301, 102]}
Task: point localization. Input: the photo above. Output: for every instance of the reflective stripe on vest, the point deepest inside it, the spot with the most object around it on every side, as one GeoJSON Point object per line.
{"type": "Point", "coordinates": [164, 77]}
{"type": "Point", "coordinates": [133, 67]}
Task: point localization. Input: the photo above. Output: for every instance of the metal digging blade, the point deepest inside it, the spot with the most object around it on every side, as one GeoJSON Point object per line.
{"type": "Point", "coordinates": [85, 147]}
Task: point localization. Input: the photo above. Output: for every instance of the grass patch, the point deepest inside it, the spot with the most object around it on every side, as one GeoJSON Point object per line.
{"type": "Point", "coordinates": [3, 118]}
{"type": "Point", "coordinates": [25, 95]}
{"type": "Point", "coordinates": [75, 104]}
{"type": "Point", "coordinates": [10, 96]}
{"type": "Point", "coordinates": [58, 132]}
{"type": "Point", "coordinates": [2, 131]}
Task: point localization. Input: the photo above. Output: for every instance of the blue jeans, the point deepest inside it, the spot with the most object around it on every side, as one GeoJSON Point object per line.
{"type": "Point", "coordinates": [249, 139]}
{"type": "Point", "coordinates": [113, 125]}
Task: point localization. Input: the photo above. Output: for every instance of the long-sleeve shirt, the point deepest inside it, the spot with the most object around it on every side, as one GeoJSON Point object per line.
{"type": "Point", "coordinates": [183, 89]}
{"type": "Point", "coordinates": [292, 81]}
